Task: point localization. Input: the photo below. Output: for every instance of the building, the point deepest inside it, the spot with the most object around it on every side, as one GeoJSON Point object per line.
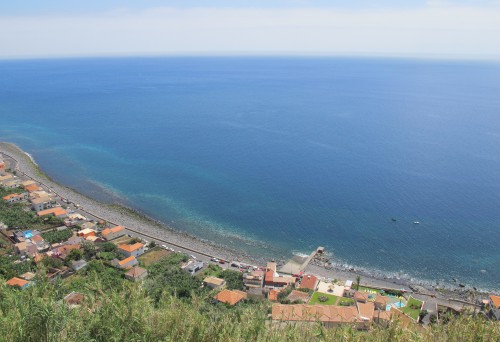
{"type": "Point", "coordinates": [3, 167]}
{"type": "Point", "coordinates": [41, 203]}
{"type": "Point", "coordinates": [348, 285]}
{"type": "Point", "coordinates": [37, 239]}
{"type": "Point", "coordinates": [20, 247]}
{"type": "Point", "coordinates": [272, 295]}
{"type": "Point", "coordinates": [28, 276]}
{"type": "Point", "coordinates": [86, 232]}
{"type": "Point", "coordinates": [273, 280]}
{"type": "Point", "coordinates": [113, 233]}
{"type": "Point", "coordinates": [381, 302]}
{"type": "Point", "coordinates": [94, 239]}
{"type": "Point", "coordinates": [5, 178]}
{"type": "Point", "coordinates": [253, 279]}
{"type": "Point", "coordinates": [63, 251]}
{"type": "Point", "coordinates": [494, 302]}
{"type": "Point", "coordinates": [194, 267]}
{"type": "Point", "coordinates": [361, 297]}
{"type": "Point", "coordinates": [125, 263]}
{"type": "Point", "coordinates": [15, 198]}
{"type": "Point", "coordinates": [296, 296]}
{"type": "Point", "coordinates": [18, 282]}
{"type": "Point", "coordinates": [12, 184]}
{"type": "Point", "coordinates": [78, 264]}
{"type": "Point", "coordinates": [230, 297]}
{"type": "Point", "coordinates": [309, 282]}
{"type": "Point", "coordinates": [57, 212]}
{"type": "Point", "coordinates": [366, 310]}
{"type": "Point", "coordinates": [31, 187]}
{"type": "Point", "coordinates": [214, 283]}
{"type": "Point", "coordinates": [135, 249]}
{"type": "Point", "coordinates": [328, 315]}
{"type": "Point", "coordinates": [136, 273]}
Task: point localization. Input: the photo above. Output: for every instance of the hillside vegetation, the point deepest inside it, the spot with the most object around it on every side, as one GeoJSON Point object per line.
{"type": "Point", "coordinates": [117, 310]}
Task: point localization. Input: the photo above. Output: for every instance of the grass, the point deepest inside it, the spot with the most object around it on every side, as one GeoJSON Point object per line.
{"type": "Point", "coordinates": [122, 240]}
{"type": "Point", "coordinates": [413, 313]}
{"type": "Point", "coordinates": [368, 289]}
{"type": "Point", "coordinates": [332, 300]}
{"type": "Point", "coordinates": [153, 255]}
{"type": "Point", "coordinates": [346, 301]}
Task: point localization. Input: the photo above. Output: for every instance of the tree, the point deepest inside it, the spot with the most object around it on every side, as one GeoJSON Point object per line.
{"type": "Point", "coordinates": [234, 279]}
{"type": "Point", "coordinates": [422, 314]}
{"type": "Point", "coordinates": [108, 247]}
{"type": "Point", "coordinates": [74, 254]}
{"type": "Point", "coordinates": [89, 250]}
{"type": "Point", "coordinates": [358, 281]}
{"type": "Point", "coordinates": [152, 244]}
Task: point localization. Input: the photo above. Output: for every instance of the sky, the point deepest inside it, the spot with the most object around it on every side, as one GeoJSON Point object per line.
{"type": "Point", "coordinates": [415, 28]}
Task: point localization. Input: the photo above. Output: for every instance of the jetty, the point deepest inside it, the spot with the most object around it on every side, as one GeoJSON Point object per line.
{"type": "Point", "coordinates": [298, 263]}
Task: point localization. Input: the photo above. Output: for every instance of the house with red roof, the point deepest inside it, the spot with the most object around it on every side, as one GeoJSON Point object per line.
{"type": "Point", "coordinates": [15, 198]}
{"type": "Point", "coordinates": [273, 280]}
{"type": "Point", "coordinates": [126, 263]}
{"type": "Point", "coordinates": [309, 282]}
{"type": "Point", "coordinates": [135, 249]}
{"type": "Point", "coordinates": [57, 212]}
{"type": "Point", "coordinates": [494, 302]}
{"type": "Point", "coordinates": [113, 233]}
{"type": "Point", "coordinates": [18, 282]}
{"type": "Point", "coordinates": [230, 297]}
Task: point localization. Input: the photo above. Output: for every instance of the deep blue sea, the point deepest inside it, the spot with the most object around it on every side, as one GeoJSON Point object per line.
{"type": "Point", "coordinates": [281, 155]}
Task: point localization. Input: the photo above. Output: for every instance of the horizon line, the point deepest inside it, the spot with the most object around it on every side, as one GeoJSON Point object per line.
{"type": "Point", "coordinates": [441, 57]}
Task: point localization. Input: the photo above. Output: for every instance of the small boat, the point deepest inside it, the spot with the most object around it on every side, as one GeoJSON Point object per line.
{"type": "Point", "coordinates": [416, 222]}
{"type": "Point", "coordinates": [393, 219]}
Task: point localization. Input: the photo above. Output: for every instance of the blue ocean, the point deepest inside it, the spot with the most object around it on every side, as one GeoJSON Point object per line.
{"type": "Point", "coordinates": [281, 155]}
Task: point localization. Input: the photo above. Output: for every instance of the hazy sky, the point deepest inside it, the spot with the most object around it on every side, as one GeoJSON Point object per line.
{"type": "Point", "coordinates": [433, 28]}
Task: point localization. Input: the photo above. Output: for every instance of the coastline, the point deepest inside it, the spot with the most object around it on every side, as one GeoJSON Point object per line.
{"type": "Point", "coordinates": [140, 223]}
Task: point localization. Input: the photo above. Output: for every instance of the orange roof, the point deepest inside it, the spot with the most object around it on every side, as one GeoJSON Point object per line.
{"type": "Point", "coordinates": [309, 282]}
{"type": "Point", "coordinates": [273, 295]}
{"type": "Point", "coordinates": [230, 297]}
{"type": "Point", "coordinates": [495, 300]}
{"type": "Point", "coordinates": [32, 187]}
{"type": "Point", "coordinates": [8, 197]}
{"type": "Point", "coordinates": [17, 282]}
{"type": "Point", "coordinates": [131, 248]}
{"type": "Point", "coordinates": [126, 261]}
{"type": "Point", "coordinates": [381, 314]}
{"type": "Point", "coordinates": [116, 229]}
{"type": "Point", "coordinates": [361, 296]}
{"type": "Point", "coordinates": [37, 238]}
{"type": "Point", "coordinates": [366, 310]}
{"type": "Point", "coordinates": [312, 313]}
{"type": "Point", "coordinates": [57, 211]}
{"type": "Point", "coordinates": [381, 300]}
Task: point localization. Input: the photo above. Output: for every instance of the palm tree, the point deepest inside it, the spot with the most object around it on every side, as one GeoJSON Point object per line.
{"type": "Point", "coordinates": [358, 280]}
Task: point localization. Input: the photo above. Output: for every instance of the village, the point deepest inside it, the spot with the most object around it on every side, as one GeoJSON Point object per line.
{"type": "Point", "coordinates": [41, 230]}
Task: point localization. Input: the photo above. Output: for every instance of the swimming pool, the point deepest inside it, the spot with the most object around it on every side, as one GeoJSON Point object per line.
{"type": "Point", "coordinates": [397, 305]}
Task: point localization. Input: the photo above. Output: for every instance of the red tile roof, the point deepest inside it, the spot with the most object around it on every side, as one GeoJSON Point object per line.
{"type": "Point", "coordinates": [17, 282]}
{"type": "Point", "coordinates": [58, 211]}
{"type": "Point", "coordinates": [495, 300]}
{"type": "Point", "coordinates": [230, 297]}
{"type": "Point", "coordinates": [126, 261]}
{"type": "Point", "coordinates": [131, 248]}
{"type": "Point", "coordinates": [313, 313]}
{"type": "Point", "coordinates": [309, 282]}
